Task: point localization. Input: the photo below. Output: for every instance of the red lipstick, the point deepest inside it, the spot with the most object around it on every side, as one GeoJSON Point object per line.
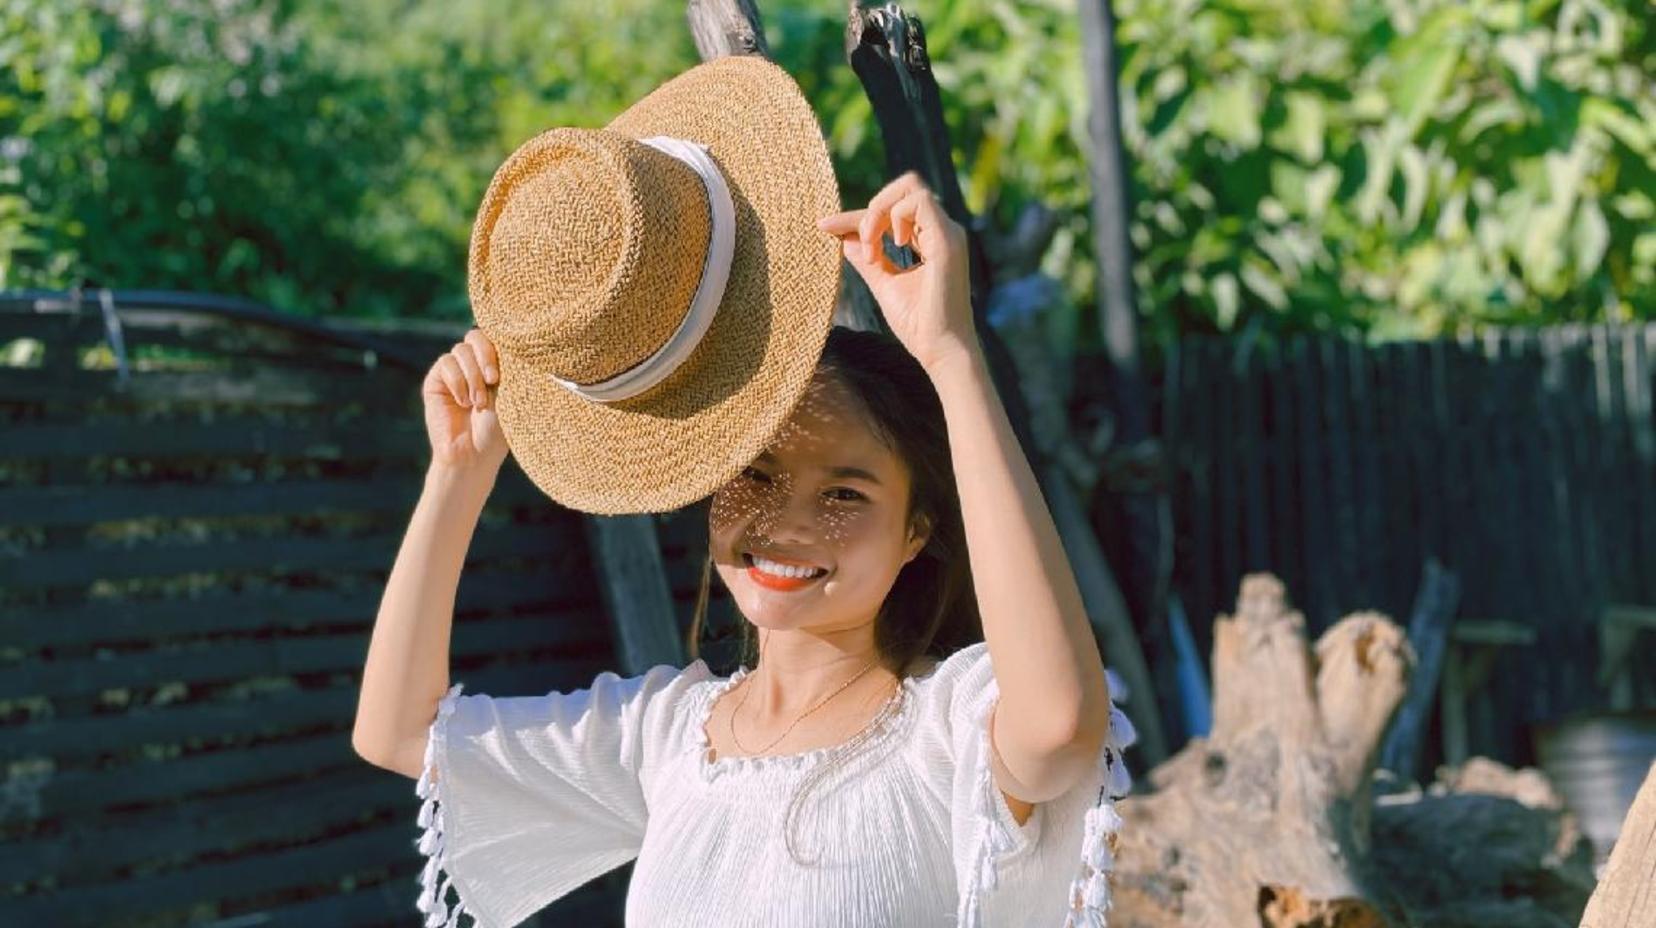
{"type": "Point", "coordinates": [781, 584]}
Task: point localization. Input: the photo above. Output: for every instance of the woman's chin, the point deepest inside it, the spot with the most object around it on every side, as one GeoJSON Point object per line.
{"type": "Point", "coordinates": [764, 611]}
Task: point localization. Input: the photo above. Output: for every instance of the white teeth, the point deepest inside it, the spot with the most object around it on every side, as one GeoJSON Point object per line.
{"type": "Point", "coordinates": [785, 570]}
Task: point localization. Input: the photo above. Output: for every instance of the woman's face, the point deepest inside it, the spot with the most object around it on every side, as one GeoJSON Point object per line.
{"type": "Point", "coordinates": [826, 497]}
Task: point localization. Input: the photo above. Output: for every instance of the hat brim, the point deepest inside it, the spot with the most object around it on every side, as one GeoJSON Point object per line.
{"type": "Point", "coordinates": [685, 437]}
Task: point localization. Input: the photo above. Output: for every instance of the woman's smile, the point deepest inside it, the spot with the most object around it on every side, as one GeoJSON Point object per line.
{"type": "Point", "coordinates": [781, 576]}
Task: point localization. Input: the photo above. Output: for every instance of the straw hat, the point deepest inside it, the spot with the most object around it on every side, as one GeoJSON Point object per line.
{"type": "Point", "coordinates": [657, 290]}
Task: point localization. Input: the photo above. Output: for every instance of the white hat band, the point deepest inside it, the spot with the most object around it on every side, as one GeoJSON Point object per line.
{"type": "Point", "coordinates": [709, 290]}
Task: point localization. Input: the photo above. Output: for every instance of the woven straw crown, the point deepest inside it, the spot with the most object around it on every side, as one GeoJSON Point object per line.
{"type": "Point", "coordinates": [594, 235]}
{"type": "Point", "coordinates": [591, 248]}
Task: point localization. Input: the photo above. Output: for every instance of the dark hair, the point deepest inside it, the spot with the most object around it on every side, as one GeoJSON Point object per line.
{"type": "Point", "coordinates": [931, 607]}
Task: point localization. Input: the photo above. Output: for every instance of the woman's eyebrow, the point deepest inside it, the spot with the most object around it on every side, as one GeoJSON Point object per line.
{"type": "Point", "coordinates": [846, 470]}
{"type": "Point", "coordinates": [840, 470]}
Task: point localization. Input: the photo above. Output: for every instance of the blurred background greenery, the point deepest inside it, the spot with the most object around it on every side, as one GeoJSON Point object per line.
{"type": "Point", "coordinates": [1388, 167]}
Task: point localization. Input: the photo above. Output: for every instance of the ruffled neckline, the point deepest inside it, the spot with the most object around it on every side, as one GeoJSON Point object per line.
{"type": "Point", "coordinates": [891, 716]}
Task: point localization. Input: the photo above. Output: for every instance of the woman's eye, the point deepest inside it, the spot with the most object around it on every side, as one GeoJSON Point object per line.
{"type": "Point", "coordinates": [753, 474]}
{"type": "Point", "coordinates": [853, 494]}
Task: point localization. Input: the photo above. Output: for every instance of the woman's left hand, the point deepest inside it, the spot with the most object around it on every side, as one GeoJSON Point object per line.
{"type": "Point", "coordinates": [927, 306]}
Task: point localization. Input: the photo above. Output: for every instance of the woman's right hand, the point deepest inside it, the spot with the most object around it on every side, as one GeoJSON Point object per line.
{"type": "Point", "coordinates": [459, 406]}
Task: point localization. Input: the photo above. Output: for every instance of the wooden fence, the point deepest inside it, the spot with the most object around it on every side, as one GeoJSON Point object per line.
{"type": "Point", "coordinates": [192, 553]}
{"type": "Point", "coordinates": [1525, 461]}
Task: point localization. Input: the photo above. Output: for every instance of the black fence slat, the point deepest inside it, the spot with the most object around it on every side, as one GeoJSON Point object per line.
{"type": "Point", "coordinates": [1371, 552]}
{"type": "Point", "coordinates": [1344, 495]}
{"type": "Point", "coordinates": [116, 502]}
{"type": "Point", "coordinates": [1397, 497]}
{"type": "Point", "coordinates": [1208, 598]}
{"type": "Point", "coordinates": [238, 436]}
{"type": "Point", "coordinates": [311, 807]}
{"type": "Point", "coordinates": [553, 584]}
{"type": "Point", "coordinates": [79, 566]}
{"type": "Point", "coordinates": [323, 864]}
{"type": "Point", "coordinates": [1227, 474]}
{"type": "Point", "coordinates": [265, 387]}
{"type": "Point", "coordinates": [1639, 361]}
{"type": "Point", "coordinates": [1281, 454]}
{"type": "Point", "coordinates": [274, 715]}
{"type": "Point", "coordinates": [1251, 464]}
{"type": "Point", "coordinates": [1608, 448]}
{"type": "Point", "coordinates": [209, 662]}
{"type": "Point", "coordinates": [1318, 597]}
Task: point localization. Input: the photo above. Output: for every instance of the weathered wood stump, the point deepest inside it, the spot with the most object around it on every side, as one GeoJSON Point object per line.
{"type": "Point", "coordinates": [1265, 821]}
{"type": "Point", "coordinates": [1627, 896]}
{"type": "Point", "coordinates": [1270, 821]}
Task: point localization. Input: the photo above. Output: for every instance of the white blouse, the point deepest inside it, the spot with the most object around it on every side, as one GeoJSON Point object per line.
{"type": "Point", "coordinates": [529, 797]}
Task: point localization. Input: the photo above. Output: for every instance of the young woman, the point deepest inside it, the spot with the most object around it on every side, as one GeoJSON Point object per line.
{"type": "Point", "coordinates": [878, 764]}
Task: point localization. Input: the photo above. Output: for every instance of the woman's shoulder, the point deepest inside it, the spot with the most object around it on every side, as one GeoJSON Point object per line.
{"type": "Point", "coordinates": [646, 702]}
{"type": "Point", "coordinates": [948, 693]}
{"type": "Point", "coordinates": [945, 672]}
{"type": "Point", "coordinates": [655, 705]}
{"type": "Point", "coordinates": [945, 686]}
{"type": "Point", "coordinates": [669, 685]}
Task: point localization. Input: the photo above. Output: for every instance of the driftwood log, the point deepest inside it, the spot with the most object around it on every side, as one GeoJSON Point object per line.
{"type": "Point", "coordinates": [1265, 821]}
{"type": "Point", "coordinates": [1270, 820]}
{"type": "Point", "coordinates": [1626, 898]}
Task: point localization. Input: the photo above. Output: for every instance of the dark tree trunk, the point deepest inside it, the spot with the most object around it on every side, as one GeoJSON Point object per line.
{"type": "Point", "coordinates": [726, 27]}
{"type": "Point", "coordinates": [887, 50]}
{"type": "Point", "coordinates": [1136, 521]}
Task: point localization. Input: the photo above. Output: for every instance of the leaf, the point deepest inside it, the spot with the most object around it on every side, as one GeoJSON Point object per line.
{"type": "Point", "coordinates": [1302, 131]}
{"type": "Point", "coordinates": [1523, 55]}
{"type": "Point", "coordinates": [1632, 131]}
{"type": "Point", "coordinates": [1422, 64]}
{"type": "Point", "coordinates": [1416, 185]}
{"type": "Point", "coordinates": [1379, 157]}
{"type": "Point", "coordinates": [1233, 110]}
{"type": "Point", "coordinates": [1256, 275]}
{"type": "Point", "coordinates": [1589, 237]}
{"type": "Point", "coordinates": [1319, 190]}
{"type": "Point", "coordinates": [1227, 301]}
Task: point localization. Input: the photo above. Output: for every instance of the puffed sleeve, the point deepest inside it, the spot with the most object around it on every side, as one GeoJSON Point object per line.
{"type": "Point", "coordinates": [528, 797]}
{"type": "Point", "coordinates": [1054, 869]}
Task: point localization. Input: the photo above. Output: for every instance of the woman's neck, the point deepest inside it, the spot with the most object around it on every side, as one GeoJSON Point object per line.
{"type": "Point", "coordinates": [799, 669]}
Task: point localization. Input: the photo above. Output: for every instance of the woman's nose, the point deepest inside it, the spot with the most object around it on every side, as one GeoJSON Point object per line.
{"type": "Point", "coordinates": [789, 515]}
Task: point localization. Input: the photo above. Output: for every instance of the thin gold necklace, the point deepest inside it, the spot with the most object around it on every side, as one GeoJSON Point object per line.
{"type": "Point", "coordinates": [820, 703]}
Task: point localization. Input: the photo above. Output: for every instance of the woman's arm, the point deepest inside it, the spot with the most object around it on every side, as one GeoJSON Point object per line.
{"type": "Point", "coordinates": [1054, 709]}
{"type": "Point", "coordinates": [406, 671]}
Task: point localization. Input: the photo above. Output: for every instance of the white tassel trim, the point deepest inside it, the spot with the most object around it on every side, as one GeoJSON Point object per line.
{"type": "Point", "coordinates": [994, 838]}
{"type": "Point", "coordinates": [433, 894]}
{"type": "Point", "coordinates": [1090, 890]}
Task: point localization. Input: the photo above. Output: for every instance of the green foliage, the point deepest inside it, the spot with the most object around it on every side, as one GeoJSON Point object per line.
{"type": "Point", "coordinates": [191, 145]}
{"type": "Point", "coordinates": [1387, 166]}
{"type": "Point", "coordinates": [322, 156]}
{"type": "Point", "coordinates": [1395, 168]}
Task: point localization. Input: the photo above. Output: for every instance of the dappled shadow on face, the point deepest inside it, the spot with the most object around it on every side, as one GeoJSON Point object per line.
{"type": "Point", "coordinates": [826, 423]}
